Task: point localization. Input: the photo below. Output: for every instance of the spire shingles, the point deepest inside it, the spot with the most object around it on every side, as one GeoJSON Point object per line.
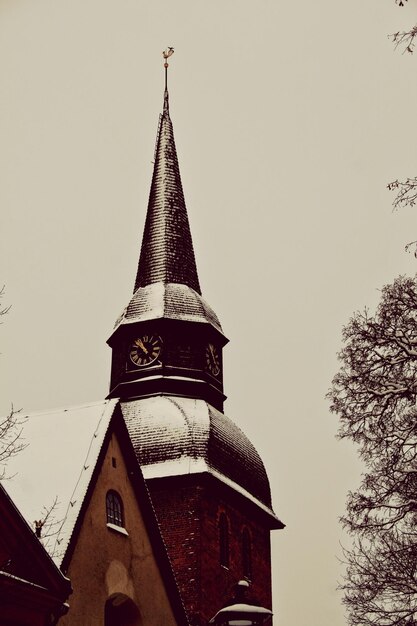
{"type": "Point", "coordinates": [167, 253]}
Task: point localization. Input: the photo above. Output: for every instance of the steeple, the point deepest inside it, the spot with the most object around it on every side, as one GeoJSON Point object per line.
{"type": "Point", "coordinates": [167, 253]}
{"type": "Point", "coordinates": [168, 340]}
{"type": "Point", "coordinates": [203, 473]}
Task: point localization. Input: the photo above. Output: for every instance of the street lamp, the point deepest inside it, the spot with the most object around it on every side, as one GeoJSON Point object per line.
{"type": "Point", "coordinates": [240, 612]}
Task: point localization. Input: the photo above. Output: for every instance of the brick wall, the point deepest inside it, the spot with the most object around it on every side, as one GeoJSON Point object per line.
{"type": "Point", "coordinates": [178, 510]}
{"type": "Point", "coordinates": [188, 515]}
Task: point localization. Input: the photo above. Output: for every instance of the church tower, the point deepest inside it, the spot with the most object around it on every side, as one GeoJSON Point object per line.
{"type": "Point", "coordinates": [208, 484]}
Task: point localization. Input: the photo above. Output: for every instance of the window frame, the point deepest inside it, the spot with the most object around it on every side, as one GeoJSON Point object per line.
{"type": "Point", "coordinates": [114, 509]}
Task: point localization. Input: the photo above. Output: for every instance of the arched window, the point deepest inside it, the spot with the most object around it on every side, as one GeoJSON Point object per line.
{"type": "Point", "coordinates": [114, 509]}
{"type": "Point", "coordinates": [246, 554]}
{"type": "Point", "coordinates": [224, 540]}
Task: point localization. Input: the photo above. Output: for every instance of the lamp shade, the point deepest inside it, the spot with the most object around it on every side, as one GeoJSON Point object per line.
{"type": "Point", "coordinates": [241, 615]}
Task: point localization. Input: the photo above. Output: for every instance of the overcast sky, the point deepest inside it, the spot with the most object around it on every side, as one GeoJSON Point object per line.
{"type": "Point", "coordinates": [290, 119]}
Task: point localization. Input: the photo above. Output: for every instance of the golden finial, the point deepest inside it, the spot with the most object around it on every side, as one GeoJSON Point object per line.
{"type": "Point", "coordinates": [166, 54]}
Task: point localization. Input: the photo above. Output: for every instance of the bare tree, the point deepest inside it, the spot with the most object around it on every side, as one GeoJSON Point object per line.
{"type": "Point", "coordinates": [404, 39]}
{"type": "Point", "coordinates": [406, 190]}
{"type": "Point", "coordinates": [380, 585]}
{"type": "Point", "coordinates": [47, 529]}
{"type": "Point", "coordinates": [406, 195]}
{"type": "Point", "coordinates": [11, 442]}
{"type": "Point", "coordinates": [374, 394]}
{"type": "Point", "coordinates": [5, 309]}
{"type": "Point", "coordinates": [378, 378]}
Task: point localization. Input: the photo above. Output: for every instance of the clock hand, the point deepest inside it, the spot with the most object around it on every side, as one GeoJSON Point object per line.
{"type": "Point", "coordinates": [141, 345]}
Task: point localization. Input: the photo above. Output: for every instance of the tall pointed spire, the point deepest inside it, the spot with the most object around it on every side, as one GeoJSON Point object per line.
{"type": "Point", "coordinates": [167, 253]}
{"type": "Point", "coordinates": [167, 304]}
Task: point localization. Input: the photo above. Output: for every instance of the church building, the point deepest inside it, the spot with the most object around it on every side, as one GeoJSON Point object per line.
{"type": "Point", "coordinates": [168, 496]}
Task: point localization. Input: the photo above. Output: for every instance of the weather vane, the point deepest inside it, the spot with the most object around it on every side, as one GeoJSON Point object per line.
{"type": "Point", "coordinates": [166, 54]}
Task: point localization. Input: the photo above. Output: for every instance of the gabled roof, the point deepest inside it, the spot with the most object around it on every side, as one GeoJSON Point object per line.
{"type": "Point", "coordinates": [57, 464]}
{"type": "Point", "coordinates": [26, 567]}
{"type": "Point", "coordinates": [63, 458]}
{"type": "Point", "coordinates": [167, 253]}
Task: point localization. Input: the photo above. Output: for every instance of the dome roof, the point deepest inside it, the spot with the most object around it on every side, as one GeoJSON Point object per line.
{"type": "Point", "coordinates": [168, 300]}
{"type": "Point", "coordinates": [176, 436]}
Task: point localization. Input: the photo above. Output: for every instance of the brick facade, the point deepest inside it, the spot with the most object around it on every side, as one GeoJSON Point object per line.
{"type": "Point", "coordinates": [188, 512]}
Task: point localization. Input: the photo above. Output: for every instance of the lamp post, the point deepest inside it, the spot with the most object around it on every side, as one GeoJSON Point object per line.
{"type": "Point", "coordinates": [239, 612]}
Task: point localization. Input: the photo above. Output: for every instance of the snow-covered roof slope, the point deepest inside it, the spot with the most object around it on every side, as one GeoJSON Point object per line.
{"type": "Point", "coordinates": [174, 436]}
{"type": "Point", "coordinates": [171, 436]}
{"type": "Point", "coordinates": [167, 253]}
{"type": "Point", "coordinates": [61, 452]}
{"type": "Point", "coordinates": [170, 301]}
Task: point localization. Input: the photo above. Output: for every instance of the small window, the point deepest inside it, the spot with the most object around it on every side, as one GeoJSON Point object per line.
{"type": "Point", "coordinates": [246, 554]}
{"type": "Point", "coordinates": [114, 509]}
{"type": "Point", "coordinates": [224, 540]}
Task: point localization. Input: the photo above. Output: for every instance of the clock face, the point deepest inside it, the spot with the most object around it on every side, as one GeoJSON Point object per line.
{"type": "Point", "coordinates": [212, 360]}
{"type": "Point", "coordinates": [145, 350]}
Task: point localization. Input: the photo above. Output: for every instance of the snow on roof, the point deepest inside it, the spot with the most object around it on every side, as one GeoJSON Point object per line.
{"type": "Point", "coordinates": [62, 450]}
{"type": "Point", "coordinates": [188, 465]}
{"type": "Point", "coordinates": [168, 300]}
{"type": "Point", "coordinates": [174, 436]}
{"type": "Point", "coordinates": [171, 436]}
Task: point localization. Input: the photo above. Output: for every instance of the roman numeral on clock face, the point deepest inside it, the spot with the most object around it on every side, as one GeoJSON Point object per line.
{"type": "Point", "coordinates": [145, 350]}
